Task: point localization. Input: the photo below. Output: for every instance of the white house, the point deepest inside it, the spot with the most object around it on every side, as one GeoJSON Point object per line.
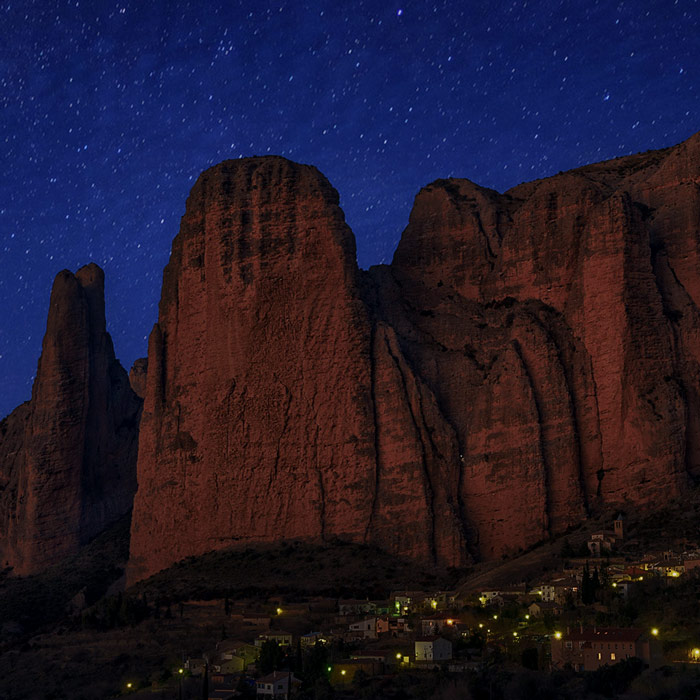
{"type": "Point", "coordinates": [433, 649]}
{"type": "Point", "coordinates": [276, 684]}
{"type": "Point", "coordinates": [367, 628]}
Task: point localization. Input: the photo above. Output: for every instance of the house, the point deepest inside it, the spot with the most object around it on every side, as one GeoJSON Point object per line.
{"type": "Point", "coordinates": [222, 687]}
{"type": "Point", "coordinates": [588, 649]}
{"type": "Point", "coordinates": [240, 654]}
{"type": "Point", "coordinates": [310, 638]}
{"type": "Point", "coordinates": [391, 626]}
{"type": "Point", "coordinates": [356, 607]}
{"type": "Point", "coordinates": [546, 592]}
{"type": "Point", "coordinates": [195, 665]}
{"type": "Point", "coordinates": [256, 620]}
{"type": "Point", "coordinates": [222, 694]}
{"type": "Point", "coordinates": [691, 562]}
{"type": "Point", "coordinates": [600, 543]}
{"type": "Point", "coordinates": [284, 639]}
{"type": "Point", "coordinates": [383, 656]}
{"type": "Point", "coordinates": [623, 587]}
{"type": "Point", "coordinates": [487, 597]}
{"type": "Point", "coordinates": [429, 649]}
{"type": "Point", "coordinates": [442, 600]}
{"type": "Point", "coordinates": [407, 600]}
{"type": "Point", "coordinates": [435, 624]}
{"type": "Point", "coordinates": [276, 684]}
{"type": "Point", "coordinates": [564, 589]}
{"type": "Point", "coordinates": [538, 609]}
{"type": "Point", "coordinates": [366, 628]}
{"type": "Point", "coordinates": [605, 541]}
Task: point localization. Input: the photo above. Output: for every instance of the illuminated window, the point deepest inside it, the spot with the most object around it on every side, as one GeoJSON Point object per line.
{"type": "Point", "coordinates": [612, 656]}
{"type": "Point", "coordinates": [600, 656]}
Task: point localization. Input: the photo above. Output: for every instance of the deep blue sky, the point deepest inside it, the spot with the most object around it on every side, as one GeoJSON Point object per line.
{"type": "Point", "coordinates": [110, 110]}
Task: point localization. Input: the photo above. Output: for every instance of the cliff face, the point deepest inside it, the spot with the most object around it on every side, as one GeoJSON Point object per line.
{"type": "Point", "coordinates": [261, 408]}
{"type": "Point", "coordinates": [67, 457]}
{"type": "Point", "coordinates": [527, 357]}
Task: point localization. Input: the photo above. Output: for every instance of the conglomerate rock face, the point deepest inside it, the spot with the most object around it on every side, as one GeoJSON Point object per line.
{"type": "Point", "coordinates": [68, 456]}
{"type": "Point", "coordinates": [527, 357]}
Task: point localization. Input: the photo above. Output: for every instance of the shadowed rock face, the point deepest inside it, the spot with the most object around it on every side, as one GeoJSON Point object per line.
{"type": "Point", "coordinates": [527, 357]}
{"type": "Point", "coordinates": [68, 456]}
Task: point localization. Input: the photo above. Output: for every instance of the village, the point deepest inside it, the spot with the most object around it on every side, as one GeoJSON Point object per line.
{"type": "Point", "coordinates": [588, 614]}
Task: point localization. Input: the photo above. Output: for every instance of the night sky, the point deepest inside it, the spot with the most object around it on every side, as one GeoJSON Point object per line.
{"type": "Point", "coordinates": [110, 110]}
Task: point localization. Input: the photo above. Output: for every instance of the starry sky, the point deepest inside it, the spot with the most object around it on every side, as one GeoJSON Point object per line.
{"type": "Point", "coordinates": [110, 110]}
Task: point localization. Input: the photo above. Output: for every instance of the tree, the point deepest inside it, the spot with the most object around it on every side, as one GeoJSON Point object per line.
{"type": "Point", "coordinates": [595, 584]}
{"type": "Point", "coordinates": [587, 592]}
{"type": "Point", "coordinates": [205, 682]}
{"type": "Point", "coordinates": [315, 662]}
{"type": "Point", "coordinates": [271, 655]}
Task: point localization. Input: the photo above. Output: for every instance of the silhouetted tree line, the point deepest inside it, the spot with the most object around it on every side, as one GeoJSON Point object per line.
{"type": "Point", "coordinates": [120, 610]}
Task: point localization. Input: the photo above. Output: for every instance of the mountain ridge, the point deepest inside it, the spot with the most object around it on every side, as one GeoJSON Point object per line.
{"type": "Point", "coordinates": [527, 359]}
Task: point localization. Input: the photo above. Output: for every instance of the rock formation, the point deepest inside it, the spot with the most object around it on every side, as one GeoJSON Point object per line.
{"type": "Point", "coordinates": [527, 357]}
{"type": "Point", "coordinates": [68, 456]}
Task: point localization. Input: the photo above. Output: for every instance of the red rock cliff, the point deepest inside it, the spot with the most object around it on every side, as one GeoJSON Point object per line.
{"type": "Point", "coordinates": [527, 357]}
{"type": "Point", "coordinates": [262, 399]}
{"type": "Point", "coordinates": [68, 456]}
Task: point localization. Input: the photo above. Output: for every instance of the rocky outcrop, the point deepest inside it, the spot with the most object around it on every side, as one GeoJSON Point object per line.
{"type": "Point", "coordinates": [137, 377]}
{"type": "Point", "coordinates": [67, 457]}
{"type": "Point", "coordinates": [528, 357]}
{"type": "Point", "coordinates": [260, 414]}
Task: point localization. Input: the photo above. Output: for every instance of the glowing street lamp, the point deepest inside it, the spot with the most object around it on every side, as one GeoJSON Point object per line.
{"type": "Point", "coordinates": [557, 635]}
{"type": "Point", "coordinates": [655, 631]}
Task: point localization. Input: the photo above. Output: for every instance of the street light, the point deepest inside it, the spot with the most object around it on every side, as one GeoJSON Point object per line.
{"type": "Point", "coordinates": [655, 631]}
